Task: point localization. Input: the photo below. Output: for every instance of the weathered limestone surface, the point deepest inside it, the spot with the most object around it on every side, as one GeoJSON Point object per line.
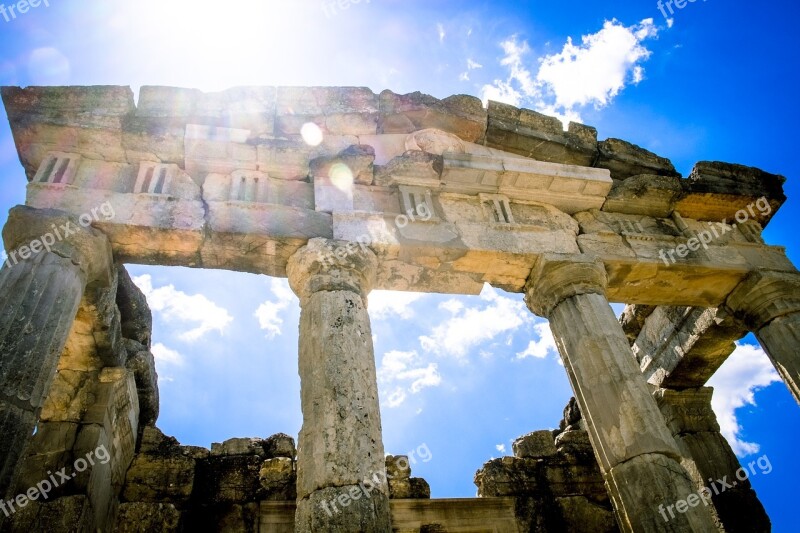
{"type": "Point", "coordinates": [187, 488]}
{"type": "Point", "coordinates": [71, 513]}
{"type": "Point", "coordinates": [460, 115]}
{"type": "Point", "coordinates": [340, 442]}
{"type": "Point", "coordinates": [555, 481]}
{"type": "Point", "coordinates": [344, 190]}
{"type": "Point", "coordinates": [639, 486]}
{"type": "Point", "coordinates": [626, 429]}
{"type": "Point", "coordinates": [682, 347]}
{"type": "Point", "coordinates": [708, 456]}
{"type": "Point", "coordinates": [227, 180]}
{"type": "Point", "coordinates": [536, 445]}
{"type": "Point", "coordinates": [104, 441]}
{"type": "Point", "coordinates": [401, 485]}
{"type": "Point", "coordinates": [140, 517]}
{"type": "Point", "coordinates": [162, 472]}
{"type": "Point", "coordinates": [531, 134]}
{"type": "Point", "coordinates": [39, 297]}
{"type": "Point", "coordinates": [136, 318]}
{"type": "Point", "coordinates": [718, 190]}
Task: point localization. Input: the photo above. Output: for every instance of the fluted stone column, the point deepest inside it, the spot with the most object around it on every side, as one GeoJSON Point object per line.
{"type": "Point", "coordinates": [40, 291]}
{"type": "Point", "coordinates": [636, 452]}
{"type": "Point", "coordinates": [769, 304]}
{"type": "Point", "coordinates": [341, 481]}
{"type": "Point", "coordinates": [708, 456]}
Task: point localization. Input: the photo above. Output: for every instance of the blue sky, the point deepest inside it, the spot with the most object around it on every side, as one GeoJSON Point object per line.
{"type": "Point", "coordinates": [462, 375]}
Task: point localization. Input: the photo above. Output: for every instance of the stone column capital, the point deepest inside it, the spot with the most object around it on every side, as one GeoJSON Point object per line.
{"type": "Point", "coordinates": [327, 265]}
{"type": "Point", "coordinates": [764, 296]}
{"type": "Point", "coordinates": [30, 231]}
{"type": "Point", "coordinates": [687, 410]}
{"type": "Point", "coordinates": [556, 278]}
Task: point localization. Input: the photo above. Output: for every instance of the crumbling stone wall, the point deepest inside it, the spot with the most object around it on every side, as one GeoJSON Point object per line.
{"type": "Point", "coordinates": [231, 487]}
{"type": "Point", "coordinates": [555, 479]}
{"type": "Point", "coordinates": [170, 487]}
{"type": "Point", "coordinates": [104, 392]}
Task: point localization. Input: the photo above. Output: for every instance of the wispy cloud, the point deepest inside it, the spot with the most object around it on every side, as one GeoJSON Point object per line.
{"type": "Point", "coordinates": [178, 307]}
{"type": "Point", "coordinates": [591, 73]}
{"type": "Point", "coordinates": [269, 312]}
{"type": "Point", "coordinates": [471, 65]}
{"type": "Point", "coordinates": [747, 370]}
{"type": "Point", "coordinates": [166, 356]}
{"type": "Point", "coordinates": [441, 32]}
{"type": "Point", "coordinates": [541, 347]}
{"type": "Point", "coordinates": [383, 304]}
{"type": "Point", "coordinates": [469, 327]}
{"type": "Point", "coordinates": [404, 373]}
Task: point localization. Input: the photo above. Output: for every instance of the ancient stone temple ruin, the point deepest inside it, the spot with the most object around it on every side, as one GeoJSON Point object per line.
{"type": "Point", "coordinates": [344, 191]}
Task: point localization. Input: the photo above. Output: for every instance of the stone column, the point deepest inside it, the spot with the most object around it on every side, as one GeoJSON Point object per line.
{"type": "Point", "coordinates": [708, 456]}
{"type": "Point", "coordinates": [769, 304]}
{"type": "Point", "coordinates": [341, 479]}
{"type": "Point", "coordinates": [636, 452]}
{"type": "Point", "coordinates": [40, 291]}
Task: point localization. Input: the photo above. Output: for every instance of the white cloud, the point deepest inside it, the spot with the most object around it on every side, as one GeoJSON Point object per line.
{"type": "Point", "coordinates": [591, 73]}
{"type": "Point", "coordinates": [441, 32]}
{"type": "Point", "coordinates": [747, 370]}
{"type": "Point", "coordinates": [383, 304]}
{"type": "Point", "coordinates": [501, 448]}
{"type": "Point", "coordinates": [403, 373]}
{"type": "Point", "coordinates": [453, 306]}
{"type": "Point", "coordinates": [268, 313]}
{"type": "Point", "coordinates": [501, 91]}
{"type": "Point", "coordinates": [471, 65]}
{"type": "Point", "coordinates": [166, 356]}
{"type": "Point", "coordinates": [469, 327]}
{"type": "Point", "coordinates": [542, 347]}
{"type": "Point", "coordinates": [177, 306]}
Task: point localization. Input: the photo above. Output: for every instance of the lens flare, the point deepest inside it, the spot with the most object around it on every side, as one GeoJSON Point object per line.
{"type": "Point", "coordinates": [341, 176]}
{"type": "Point", "coordinates": [311, 133]}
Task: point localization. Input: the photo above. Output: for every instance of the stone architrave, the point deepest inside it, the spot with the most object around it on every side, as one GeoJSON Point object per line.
{"type": "Point", "coordinates": [40, 291]}
{"type": "Point", "coordinates": [341, 478]}
{"type": "Point", "coordinates": [636, 452]}
{"type": "Point", "coordinates": [769, 304]}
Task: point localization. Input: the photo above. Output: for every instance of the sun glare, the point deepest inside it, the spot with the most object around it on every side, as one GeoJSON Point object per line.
{"type": "Point", "coordinates": [224, 43]}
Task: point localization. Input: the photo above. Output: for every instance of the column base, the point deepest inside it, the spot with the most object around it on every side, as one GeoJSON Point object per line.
{"type": "Point", "coordinates": [353, 508]}
{"type": "Point", "coordinates": [656, 484]}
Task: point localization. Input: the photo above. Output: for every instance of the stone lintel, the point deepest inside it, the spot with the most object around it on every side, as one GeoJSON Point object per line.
{"type": "Point", "coordinates": [682, 347]}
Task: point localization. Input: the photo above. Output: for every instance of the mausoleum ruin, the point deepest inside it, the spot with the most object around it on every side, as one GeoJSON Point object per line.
{"type": "Point", "coordinates": [344, 191]}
